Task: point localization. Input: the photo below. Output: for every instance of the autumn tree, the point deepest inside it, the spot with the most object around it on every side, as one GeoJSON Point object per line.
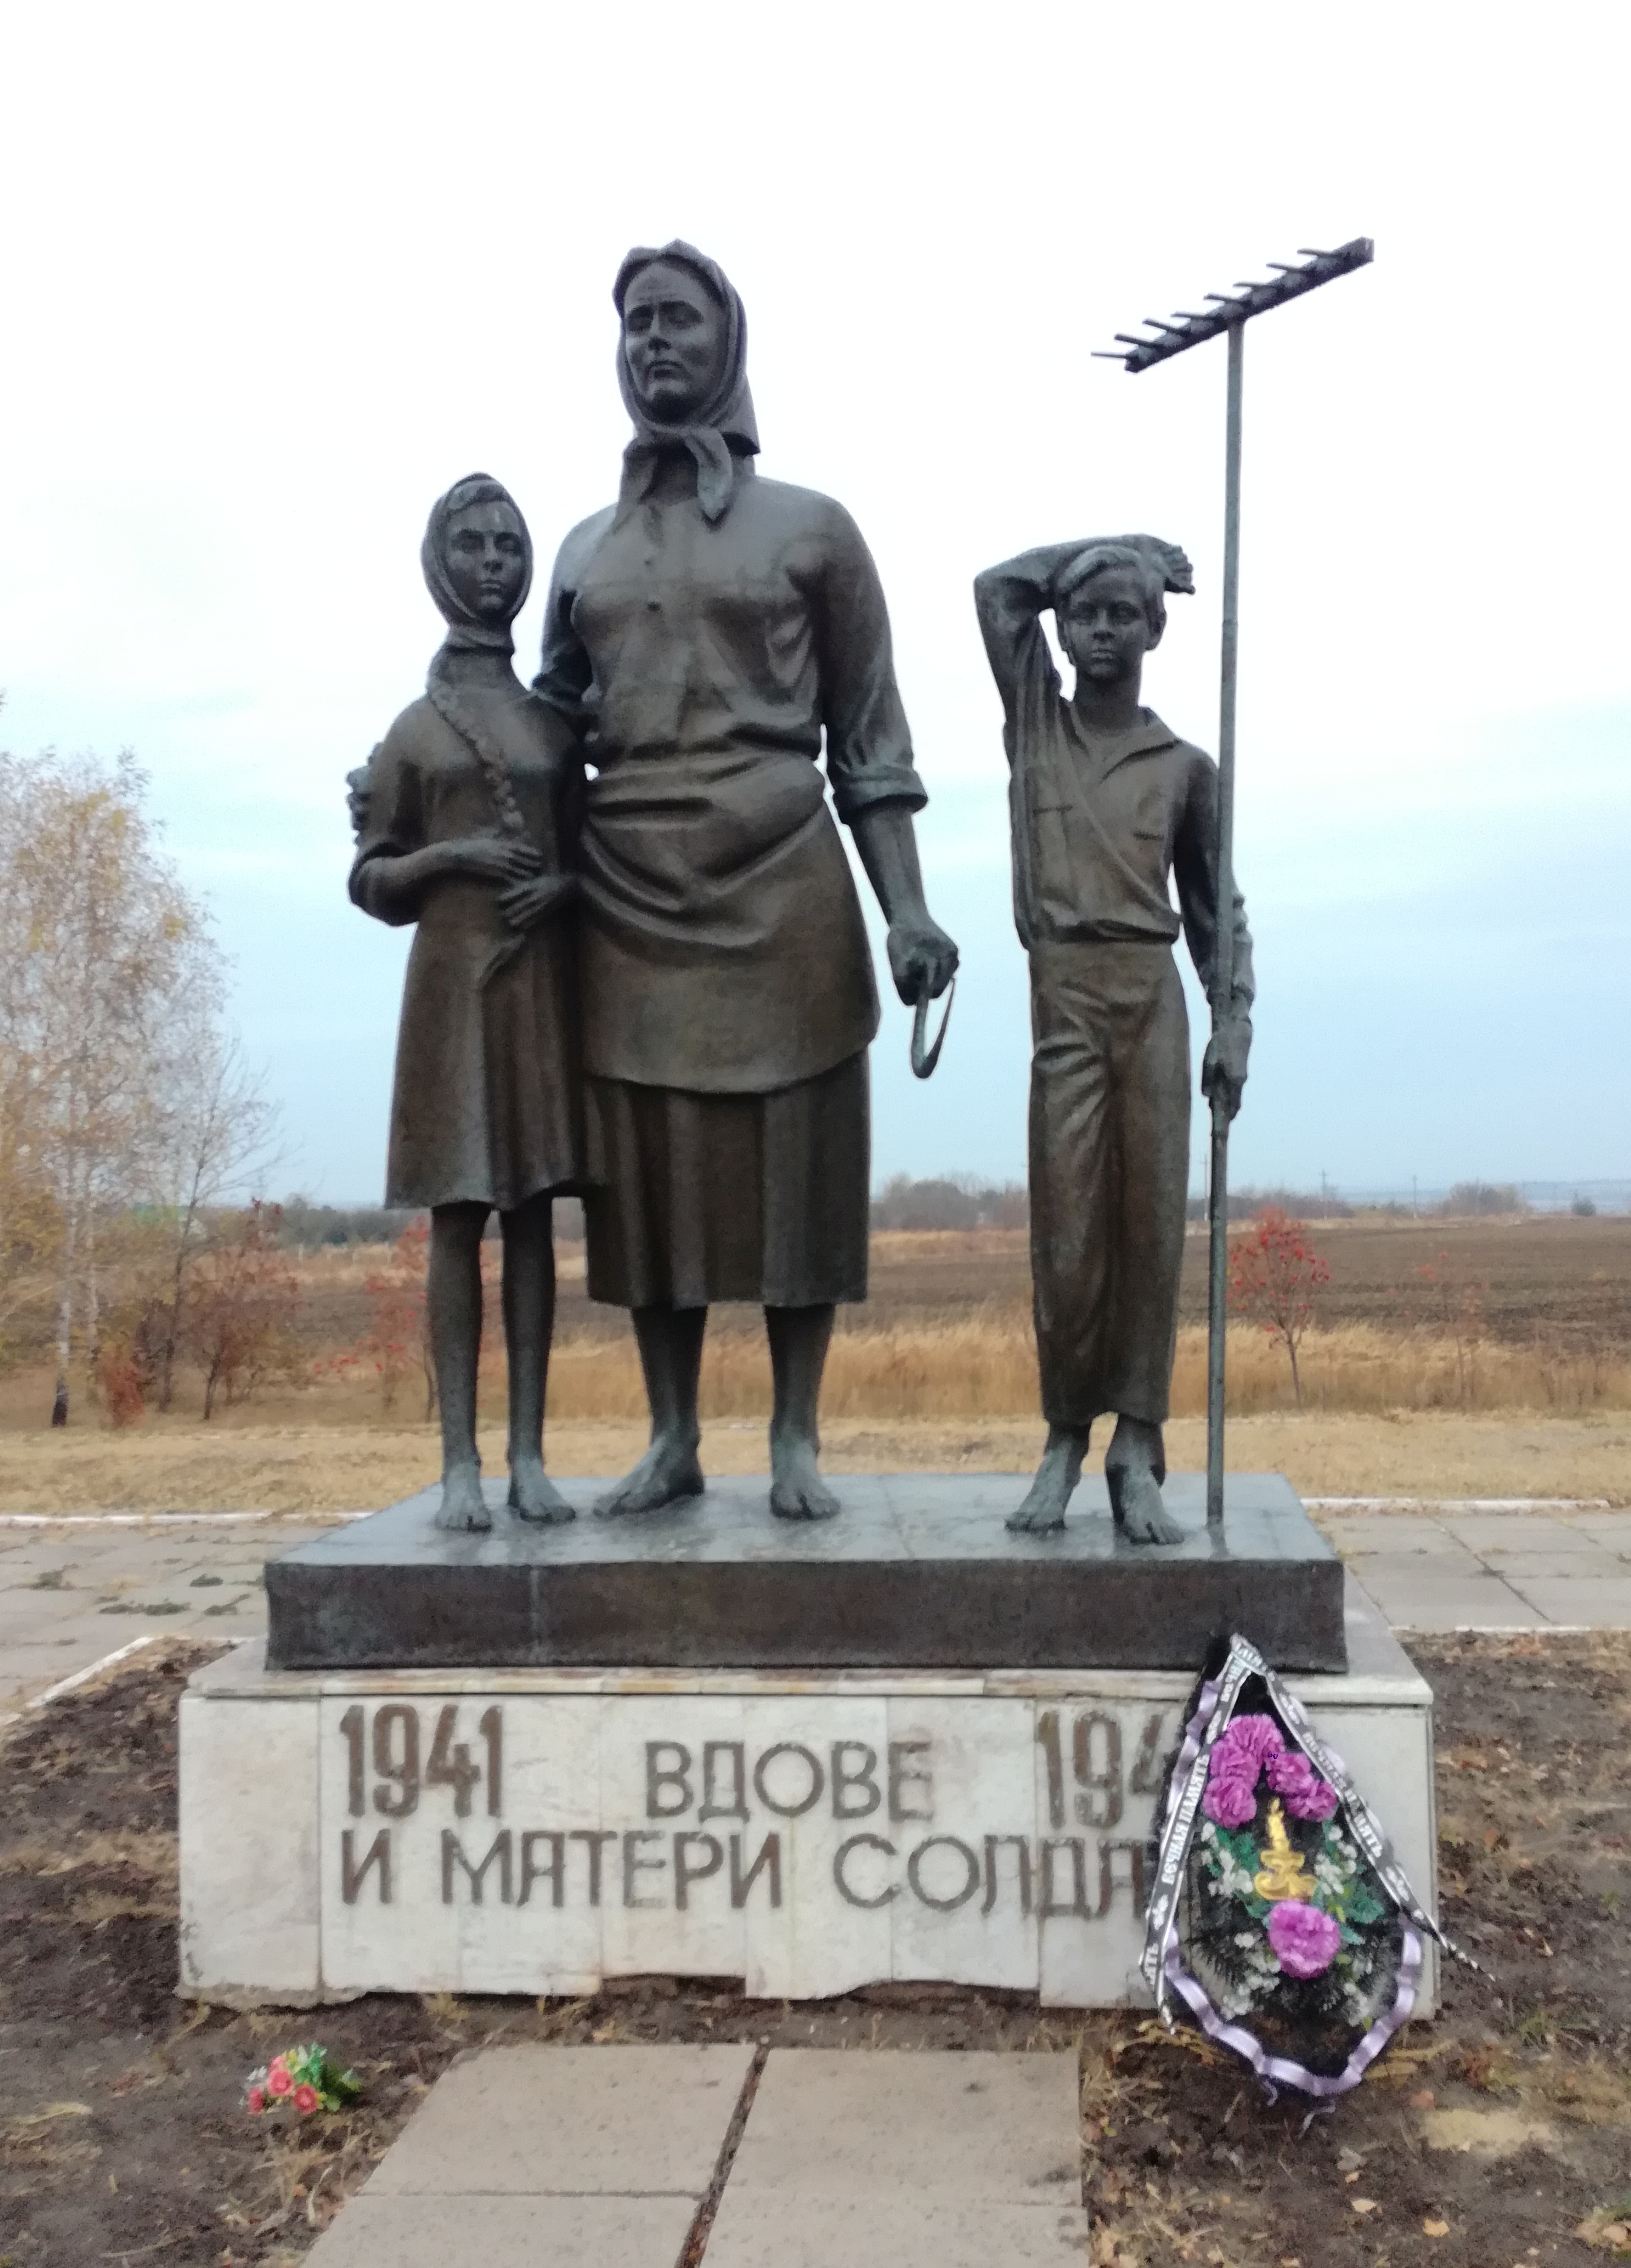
{"type": "Point", "coordinates": [398, 1340]}
{"type": "Point", "coordinates": [117, 1087]}
{"type": "Point", "coordinates": [1274, 1278]}
{"type": "Point", "coordinates": [242, 1305]}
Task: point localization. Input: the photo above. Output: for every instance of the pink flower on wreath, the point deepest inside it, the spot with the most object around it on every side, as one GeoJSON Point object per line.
{"type": "Point", "coordinates": [257, 2101]}
{"type": "Point", "coordinates": [306, 2099]}
{"type": "Point", "coordinates": [1257, 1737]}
{"type": "Point", "coordinates": [277, 2079]}
{"type": "Point", "coordinates": [1231, 1798]}
{"type": "Point", "coordinates": [1303, 1939]}
{"type": "Point", "coordinates": [1307, 1796]}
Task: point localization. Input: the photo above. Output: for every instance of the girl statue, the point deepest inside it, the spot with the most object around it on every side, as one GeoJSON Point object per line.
{"type": "Point", "coordinates": [464, 815]}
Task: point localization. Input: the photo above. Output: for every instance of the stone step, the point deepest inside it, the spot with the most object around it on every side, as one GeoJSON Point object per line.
{"type": "Point", "coordinates": [604, 2156]}
{"type": "Point", "coordinates": [888, 2159]}
{"type": "Point", "coordinates": [596, 2156]}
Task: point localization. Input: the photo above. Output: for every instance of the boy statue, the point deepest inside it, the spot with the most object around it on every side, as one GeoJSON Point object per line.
{"type": "Point", "coordinates": [1107, 804]}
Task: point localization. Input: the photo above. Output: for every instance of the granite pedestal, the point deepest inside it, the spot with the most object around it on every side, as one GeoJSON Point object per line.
{"type": "Point", "coordinates": [537, 1830]}
{"type": "Point", "coordinates": [917, 1571]}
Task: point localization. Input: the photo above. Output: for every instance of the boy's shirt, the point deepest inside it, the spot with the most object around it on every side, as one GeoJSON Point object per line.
{"type": "Point", "coordinates": [1102, 821]}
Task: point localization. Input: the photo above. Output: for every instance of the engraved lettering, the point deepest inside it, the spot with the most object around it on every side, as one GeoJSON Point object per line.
{"type": "Point", "coordinates": [633, 1865]}
{"type": "Point", "coordinates": [711, 1808]}
{"type": "Point", "coordinates": [351, 1733]}
{"type": "Point", "coordinates": [1149, 1765]}
{"type": "Point", "coordinates": [971, 1873]}
{"type": "Point", "coordinates": [685, 1873]}
{"type": "Point", "coordinates": [808, 1801]}
{"type": "Point", "coordinates": [1099, 1798]}
{"type": "Point", "coordinates": [490, 1728]}
{"type": "Point", "coordinates": [452, 1855]}
{"type": "Point", "coordinates": [674, 1776]}
{"type": "Point", "coordinates": [554, 1874]}
{"type": "Point", "coordinates": [904, 1775]}
{"type": "Point", "coordinates": [1022, 1845]}
{"type": "Point", "coordinates": [1136, 1881]}
{"type": "Point", "coordinates": [839, 1856]}
{"type": "Point", "coordinates": [860, 1781]}
{"type": "Point", "coordinates": [1049, 1907]}
{"type": "Point", "coordinates": [1048, 1740]}
{"type": "Point", "coordinates": [595, 1839]}
{"type": "Point", "coordinates": [768, 1860]}
{"type": "Point", "coordinates": [401, 1793]}
{"type": "Point", "coordinates": [352, 1876]}
{"type": "Point", "coordinates": [448, 1764]}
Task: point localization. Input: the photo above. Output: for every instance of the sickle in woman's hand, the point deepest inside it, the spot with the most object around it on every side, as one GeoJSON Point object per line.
{"type": "Point", "coordinates": [924, 1059]}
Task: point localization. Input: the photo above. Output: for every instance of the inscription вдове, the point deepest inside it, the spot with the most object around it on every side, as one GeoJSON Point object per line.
{"type": "Point", "coordinates": [402, 1761]}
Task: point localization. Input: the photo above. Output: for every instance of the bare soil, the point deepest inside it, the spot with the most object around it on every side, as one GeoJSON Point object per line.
{"type": "Point", "coordinates": [1494, 2136]}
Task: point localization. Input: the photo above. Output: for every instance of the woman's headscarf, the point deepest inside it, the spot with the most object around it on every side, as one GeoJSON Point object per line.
{"type": "Point", "coordinates": [466, 630]}
{"type": "Point", "coordinates": [726, 416]}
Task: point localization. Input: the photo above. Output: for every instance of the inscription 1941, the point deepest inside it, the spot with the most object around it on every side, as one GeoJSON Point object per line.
{"type": "Point", "coordinates": [719, 1813]}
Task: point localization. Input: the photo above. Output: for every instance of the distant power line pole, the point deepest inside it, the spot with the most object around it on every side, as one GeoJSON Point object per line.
{"type": "Point", "coordinates": [1228, 318]}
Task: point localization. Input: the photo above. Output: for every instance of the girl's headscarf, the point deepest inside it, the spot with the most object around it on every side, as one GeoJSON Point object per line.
{"type": "Point", "coordinates": [466, 630]}
{"type": "Point", "coordinates": [726, 416]}
{"type": "Point", "coordinates": [468, 633]}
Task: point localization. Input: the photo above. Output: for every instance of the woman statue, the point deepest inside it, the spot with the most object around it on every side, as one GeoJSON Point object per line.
{"type": "Point", "coordinates": [464, 818]}
{"type": "Point", "coordinates": [703, 632]}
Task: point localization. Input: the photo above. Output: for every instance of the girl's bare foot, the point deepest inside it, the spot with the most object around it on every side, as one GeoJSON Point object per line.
{"type": "Point", "coordinates": [533, 1496]}
{"type": "Point", "coordinates": [462, 1510]}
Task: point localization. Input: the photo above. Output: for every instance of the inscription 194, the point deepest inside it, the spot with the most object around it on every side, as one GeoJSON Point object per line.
{"type": "Point", "coordinates": [400, 1778]}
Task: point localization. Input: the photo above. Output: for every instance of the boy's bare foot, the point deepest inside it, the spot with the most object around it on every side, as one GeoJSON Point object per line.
{"type": "Point", "coordinates": [797, 1489]}
{"type": "Point", "coordinates": [1135, 1465]}
{"type": "Point", "coordinates": [533, 1496]}
{"type": "Point", "coordinates": [1043, 1511]}
{"type": "Point", "coordinates": [667, 1472]}
{"type": "Point", "coordinates": [462, 1510]}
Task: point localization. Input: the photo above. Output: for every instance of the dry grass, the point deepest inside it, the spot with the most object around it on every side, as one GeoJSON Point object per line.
{"type": "Point", "coordinates": [984, 1366]}
{"type": "Point", "coordinates": [183, 1466]}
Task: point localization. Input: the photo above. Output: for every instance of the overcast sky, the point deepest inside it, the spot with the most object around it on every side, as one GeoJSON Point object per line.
{"type": "Point", "coordinates": [275, 276]}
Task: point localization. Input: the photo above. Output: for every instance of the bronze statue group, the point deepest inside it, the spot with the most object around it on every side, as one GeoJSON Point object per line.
{"type": "Point", "coordinates": [640, 972]}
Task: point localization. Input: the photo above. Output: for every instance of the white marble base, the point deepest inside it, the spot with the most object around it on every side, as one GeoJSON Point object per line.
{"type": "Point", "coordinates": [342, 1831]}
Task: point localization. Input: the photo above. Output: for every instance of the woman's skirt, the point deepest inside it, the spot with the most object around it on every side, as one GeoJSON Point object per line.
{"type": "Point", "coordinates": [699, 1197]}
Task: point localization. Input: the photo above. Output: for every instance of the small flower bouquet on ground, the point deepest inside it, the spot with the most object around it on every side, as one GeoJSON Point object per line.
{"type": "Point", "coordinates": [302, 2079]}
{"type": "Point", "coordinates": [1281, 1917]}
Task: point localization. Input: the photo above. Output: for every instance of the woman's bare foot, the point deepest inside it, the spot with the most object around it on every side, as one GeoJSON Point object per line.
{"type": "Point", "coordinates": [797, 1489]}
{"type": "Point", "coordinates": [1135, 1465]}
{"type": "Point", "coordinates": [463, 1509]}
{"type": "Point", "coordinates": [667, 1472]}
{"type": "Point", "coordinates": [534, 1495]}
{"type": "Point", "coordinates": [1043, 1510]}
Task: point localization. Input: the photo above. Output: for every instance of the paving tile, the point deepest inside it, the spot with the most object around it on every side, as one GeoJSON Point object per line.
{"type": "Point", "coordinates": [506, 2232]}
{"type": "Point", "coordinates": [1356, 1534]}
{"type": "Point", "coordinates": [534, 2121]}
{"type": "Point", "coordinates": [1586, 1569]}
{"type": "Point", "coordinates": [752, 2232]}
{"type": "Point", "coordinates": [1414, 1595]}
{"type": "Point", "coordinates": [1515, 1531]}
{"type": "Point", "coordinates": [1601, 1604]}
{"type": "Point", "coordinates": [843, 2127]}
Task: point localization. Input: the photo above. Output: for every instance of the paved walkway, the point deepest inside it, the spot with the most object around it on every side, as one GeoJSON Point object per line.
{"type": "Point", "coordinates": [74, 1591]}
{"type": "Point", "coordinates": [632, 2157]}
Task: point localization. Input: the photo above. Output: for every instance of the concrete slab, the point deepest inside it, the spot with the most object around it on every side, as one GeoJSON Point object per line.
{"type": "Point", "coordinates": [506, 2232]}
{"type": "Point", "coordinates": [843, 2127]}
{"type": "Point", "coordinates": [1598, 1604]}
{"type": "Point", "coordinates": [1586, 1568]}
{"type": "Point", "coordinates": [1356, 1533]}
{"type": "Point", "coordinates": [610, 2121]}
{"type": "Point", "coordinates": [900, 2232]}
{"type": "Point", "coordinates": [1514, 1531]}
{"type": "Point", "coordinates": [1414, 1595]}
